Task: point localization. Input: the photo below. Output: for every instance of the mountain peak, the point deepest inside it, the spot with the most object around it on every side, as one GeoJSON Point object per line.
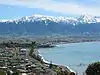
{"type": "Point", "coordinates": [67, 20]}
{"type": "Point", "coordinates": [41, 24]}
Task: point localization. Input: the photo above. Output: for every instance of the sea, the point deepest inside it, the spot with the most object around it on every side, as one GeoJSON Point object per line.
{"type": "Point", "coordinates": [75, 55]}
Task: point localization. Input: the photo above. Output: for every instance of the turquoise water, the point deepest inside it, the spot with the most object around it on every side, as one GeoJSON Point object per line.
{"type": "Point", "coordinates": [73, 55]}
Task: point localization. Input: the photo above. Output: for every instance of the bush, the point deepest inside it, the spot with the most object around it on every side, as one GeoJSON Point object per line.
{"type": "Point", "coordinates": [2, 73]}
{"type": "Point", "coordinates": [93, 69]}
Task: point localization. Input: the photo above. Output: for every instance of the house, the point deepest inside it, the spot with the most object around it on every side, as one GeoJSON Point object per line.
{"type": "Point", "coordinates": [23, 53]}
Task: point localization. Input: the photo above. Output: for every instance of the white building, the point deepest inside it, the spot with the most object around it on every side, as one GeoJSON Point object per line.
{"type": "Point", "coordinates": [23, 53]}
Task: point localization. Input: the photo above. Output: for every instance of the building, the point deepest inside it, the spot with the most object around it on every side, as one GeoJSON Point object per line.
{"type": "Point", "coordinates": [23, 53]}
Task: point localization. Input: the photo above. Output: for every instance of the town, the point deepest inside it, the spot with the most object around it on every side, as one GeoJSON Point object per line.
{"type": "Point", "coordinates": [24, 59]}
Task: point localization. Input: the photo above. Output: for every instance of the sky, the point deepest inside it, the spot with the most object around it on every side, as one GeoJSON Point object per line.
{"type": "Point", "coordinates": [13, 9]}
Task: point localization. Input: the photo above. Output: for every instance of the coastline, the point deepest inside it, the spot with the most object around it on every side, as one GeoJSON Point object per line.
{"type": "Point", "coordinates": [68, 67]}
{"type": "Point", "coordinates": [39, 53]}
{"type": "Point", "coordinates": [56, 44]}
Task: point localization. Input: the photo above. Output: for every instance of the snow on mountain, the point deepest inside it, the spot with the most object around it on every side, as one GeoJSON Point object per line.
{"type": "Point", "coordinates": [88, 19]}
{"type": "Point", "coordinates": [40, 24]}
{"type": "Point", "coordinates": [66, 20]}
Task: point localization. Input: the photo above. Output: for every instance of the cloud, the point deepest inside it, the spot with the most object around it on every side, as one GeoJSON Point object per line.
{"type": "Point", "coordinates": [68, 7]}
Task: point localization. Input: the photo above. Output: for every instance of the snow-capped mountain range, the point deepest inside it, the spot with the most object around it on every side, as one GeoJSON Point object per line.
{"type": "Point", "coordinates": [40, 24]}
{"type": "Point", "coordinates": [68, 20]}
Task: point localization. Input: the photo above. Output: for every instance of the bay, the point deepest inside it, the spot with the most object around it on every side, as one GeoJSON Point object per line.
{"type": "Point", "coordinates": [76, 55]}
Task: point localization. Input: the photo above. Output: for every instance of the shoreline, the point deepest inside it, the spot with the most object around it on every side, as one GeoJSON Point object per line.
{"type": "Point", "coordinates": [65, 43]}
{"type": "Point", "coordinates": [54, 43]}
{"type": "Point", "coordinates": [76, 43]}
{"type": "Point", "coordinates": [39, 53]}
{"type": "Point", "coordinates": [68, 67]}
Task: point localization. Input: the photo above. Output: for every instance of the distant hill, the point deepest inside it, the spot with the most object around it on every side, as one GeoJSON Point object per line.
{"type": "Point", "coordinates": [40, 24]}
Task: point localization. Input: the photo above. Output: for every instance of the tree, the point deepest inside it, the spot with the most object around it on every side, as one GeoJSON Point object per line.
{"type": "Point", "coordinates": [15, 71]}
{"type": "Point", "coordinates": [8, 73]}
{"type": "Point", "coordinates": [33, 45]}
{"type": "Point", "coordinates": [93, 69]}
{"type": "Point", "coordinates": [50, 65]}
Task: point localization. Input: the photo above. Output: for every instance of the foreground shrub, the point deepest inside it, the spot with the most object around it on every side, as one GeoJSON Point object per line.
{"type": "Point", "coordinates": [93, 69]}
